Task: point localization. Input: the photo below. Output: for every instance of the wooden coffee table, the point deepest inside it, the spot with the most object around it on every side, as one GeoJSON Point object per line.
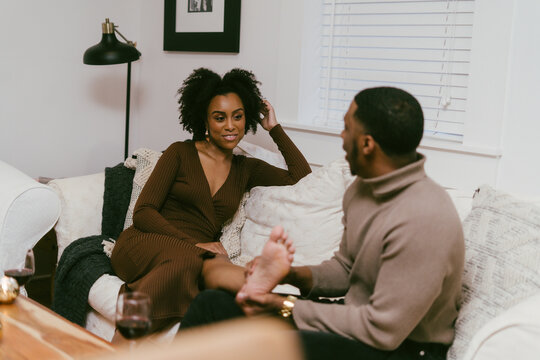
{"type": "Point", "coordinates": [31, 331]}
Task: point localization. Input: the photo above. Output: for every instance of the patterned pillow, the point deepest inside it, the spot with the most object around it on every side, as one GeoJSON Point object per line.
{"type": "Point", "coordinates": [502, 261]}
{"type": "Point", "coordinates": [145, 163]}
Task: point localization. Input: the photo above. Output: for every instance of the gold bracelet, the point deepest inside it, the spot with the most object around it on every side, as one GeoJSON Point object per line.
{"type": "Point", "coordinates": [287, 307]}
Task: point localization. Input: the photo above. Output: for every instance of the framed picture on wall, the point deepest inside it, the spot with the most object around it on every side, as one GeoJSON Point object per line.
{"type": "Point", "coordinates": [202, 25]}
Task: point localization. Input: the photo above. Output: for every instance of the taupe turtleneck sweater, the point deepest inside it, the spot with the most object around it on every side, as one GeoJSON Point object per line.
{"type": "Point", "coordinates": [399, 264]}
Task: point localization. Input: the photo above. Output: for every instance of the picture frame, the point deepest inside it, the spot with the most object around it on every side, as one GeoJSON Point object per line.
{"type": "Point", "coordinates": [202, 25]}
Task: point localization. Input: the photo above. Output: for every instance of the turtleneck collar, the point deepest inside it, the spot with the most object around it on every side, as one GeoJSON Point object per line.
{"type": "Point", "coordinates": [396, 180]}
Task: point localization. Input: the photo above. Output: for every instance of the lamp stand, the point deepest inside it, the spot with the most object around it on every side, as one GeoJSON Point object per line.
{"type": "Point", "coordinates": [128, 91]}
{"type": "Point", "coordinates": [111, 51]}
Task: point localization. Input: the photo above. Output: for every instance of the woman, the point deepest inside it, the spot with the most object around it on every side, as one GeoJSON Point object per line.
{"type": "Point", "coordinates": [173, 247]}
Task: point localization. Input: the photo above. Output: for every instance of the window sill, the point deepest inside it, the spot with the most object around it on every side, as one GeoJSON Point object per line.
{"type": "Point", "coordinates": [456, 147]}
{"type": "Point", "coordinates": [313, 129]}
{"type": "Point", "coordinates": [427, 142]}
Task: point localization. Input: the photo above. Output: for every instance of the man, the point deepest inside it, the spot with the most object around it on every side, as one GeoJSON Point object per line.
{"type": "Point", "coordinates": [400, 261]}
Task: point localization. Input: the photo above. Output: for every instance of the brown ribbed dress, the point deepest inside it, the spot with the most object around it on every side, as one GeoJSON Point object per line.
{"type": "Point", "coordinates": [157, 255]}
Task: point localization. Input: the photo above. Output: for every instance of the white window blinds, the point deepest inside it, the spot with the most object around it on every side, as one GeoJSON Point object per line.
{"type": "Point", "coordinates": [421, 46]}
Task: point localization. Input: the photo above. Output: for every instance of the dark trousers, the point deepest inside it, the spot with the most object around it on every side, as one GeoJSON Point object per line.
{"type": "Point", "coordinates": [212, 306]}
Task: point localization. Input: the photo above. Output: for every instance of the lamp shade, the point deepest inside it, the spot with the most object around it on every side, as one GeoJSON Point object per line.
{"type": "Point", "coordinates": [110, 51]}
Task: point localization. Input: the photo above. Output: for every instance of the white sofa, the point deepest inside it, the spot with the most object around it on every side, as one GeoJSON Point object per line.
{"type": "Point", "coordinates": [28, 210]}
{"type": "Point", "coordinates": [501, 279]}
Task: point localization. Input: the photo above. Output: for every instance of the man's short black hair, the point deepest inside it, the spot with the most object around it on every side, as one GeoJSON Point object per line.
{"type": "Point", "coordinates": [393, 117]}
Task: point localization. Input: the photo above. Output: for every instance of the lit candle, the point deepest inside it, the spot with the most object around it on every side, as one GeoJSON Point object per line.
{"type": "Point", "coordinates": [9, 289]}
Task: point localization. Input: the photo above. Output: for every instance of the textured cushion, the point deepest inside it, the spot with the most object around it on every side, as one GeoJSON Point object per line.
{"type": "Point", "coordinates": [310, 211]}
{"type": "Point", "coordinates": [502, 261]}
{"type": "Point", "coordinates": [145, 163]}
{"type": "Point", "coordinates": [512, 335]}
{"type": "Point", "coordinates": [116, 199]}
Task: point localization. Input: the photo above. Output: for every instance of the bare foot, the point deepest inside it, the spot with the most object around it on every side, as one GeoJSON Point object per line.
{"type": "Point", "coordinates": [270, 267]}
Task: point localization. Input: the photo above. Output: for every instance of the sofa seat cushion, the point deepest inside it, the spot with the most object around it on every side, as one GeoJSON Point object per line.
{"type": "Point", "coordinates": [502, 261]}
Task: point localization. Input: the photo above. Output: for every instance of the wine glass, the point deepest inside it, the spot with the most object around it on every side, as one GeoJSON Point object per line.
{"type": "Point", "coordinates": [24, 272]}
{"type": "Point", "coordinates": [133, 315]}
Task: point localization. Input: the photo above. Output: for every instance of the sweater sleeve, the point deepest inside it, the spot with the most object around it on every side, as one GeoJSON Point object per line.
{"type": "Point", "coordinates": [412, 272]}
{"type": "Point", "coordinates": [146, 215]}
{"type": "Point", "coordinates": [263, 174]}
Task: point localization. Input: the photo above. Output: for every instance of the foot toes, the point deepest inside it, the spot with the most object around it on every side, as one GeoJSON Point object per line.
{"type": "Point", "coordinates": [276, 234]}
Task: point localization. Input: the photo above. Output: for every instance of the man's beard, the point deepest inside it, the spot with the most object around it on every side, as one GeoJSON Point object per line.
{"type": "Point", "coordinates": [353, 158]}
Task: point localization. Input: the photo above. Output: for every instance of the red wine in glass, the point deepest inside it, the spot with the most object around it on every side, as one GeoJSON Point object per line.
{"type": "Point", "coordinates": [133, 315]}
{"type": "Point", "coordinates": [21, 275]}
{"type": "Point", "coordinates": [133, 327]}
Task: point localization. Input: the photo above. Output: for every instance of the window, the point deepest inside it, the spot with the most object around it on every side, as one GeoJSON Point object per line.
{"type": "Point", "coordinates": [456, 160]}
{"type": "Point", "coordinates": [423, 47]}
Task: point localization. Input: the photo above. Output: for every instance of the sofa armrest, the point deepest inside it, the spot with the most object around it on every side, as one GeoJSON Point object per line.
{"type": "Point", "coordinates": [103, 294]}
{"type": "Point", "coordinates": [513, 334]}
{"type": "Point", "coordinates": [28, 210]}
{"type": "Point", "coordinates": [82, 204]}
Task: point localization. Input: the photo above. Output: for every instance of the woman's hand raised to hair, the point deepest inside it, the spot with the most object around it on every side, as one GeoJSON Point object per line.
{"type": "Point", "coordinates": [269, 120]}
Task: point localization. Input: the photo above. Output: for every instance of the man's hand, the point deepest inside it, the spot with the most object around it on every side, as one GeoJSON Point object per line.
{"type": "Point", "coordinates": [269, 120]}
{"type": "Point", "coordinates": [215, 247]}
{"type": "Point", "coordinates": [261, 303]}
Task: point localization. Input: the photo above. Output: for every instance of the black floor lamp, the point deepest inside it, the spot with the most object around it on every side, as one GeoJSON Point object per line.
{"type": "Point", "coordinates": [111, 51]}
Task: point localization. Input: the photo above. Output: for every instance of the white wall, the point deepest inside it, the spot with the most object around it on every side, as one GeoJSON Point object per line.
{"type": "Point", "coordinates": [59, 117]}
{"type": "Point", "coordinates": [500, 147]}
{"type": "Point", "coordinates": [156, 121]}
{"type": "Point", "coordinates": [520, 163]}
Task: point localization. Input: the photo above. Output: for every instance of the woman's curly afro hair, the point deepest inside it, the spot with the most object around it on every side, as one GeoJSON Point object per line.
{"type": "Point", "coordinates": [199, 88]}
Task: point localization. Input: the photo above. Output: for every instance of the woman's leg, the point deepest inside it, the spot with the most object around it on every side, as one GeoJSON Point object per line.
{"type": "Point", "coordinates": [274, 263]}
{"type": "Point", "coordinates": [166, 269]}
{"type": "Point", "coordinates": [219, 273]}
{"type": "Point", "coordinates": [271, 266]}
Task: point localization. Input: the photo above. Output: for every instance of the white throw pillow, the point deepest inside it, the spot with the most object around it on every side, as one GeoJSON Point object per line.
{"type": "Point", "coordinates": [310, 211]}
{"type": "Point", "coordinates": [81, 198]}
{"type": "Point", "coordinates": [145, 163]}
{"type": "Point", "coordinates": [502, 261]}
